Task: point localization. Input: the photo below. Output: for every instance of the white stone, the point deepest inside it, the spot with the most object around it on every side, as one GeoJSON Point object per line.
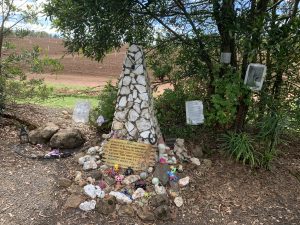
{"type": "Point", "coordinates": [126, 71]}
{"type": "Point", "coordinates": [128, 63]}
{"type": "Point", "coordinates": [78, 176]}
{"type": "Point", "coordinates": [137, 108]}
{"type": "Point", "coordinates": [184, 181]}
{"type": "Point", "coordinates": [123, 101]}
{"type": "Point", "coordinates": [144, 97]}
{"type": "Point", "coordinates": [133, 48]}
{"type": "Point", "coordinates": [145, 134]}
{"type": "Point", "coordinates": [144, 104]}
{"type": "Point", "coordinates": [130, 179]}
{"type": "Point", "coordinates": [93, 191]}
{"type": "Point", "coordinates": [195, 161]}
{"type": "Point", "coordinates": [137, 100]}
{"type": "Point", "coordinates": [160, 190]}
{"type": "Point", "coordinates": [130, 98]}
{"type": "Point", "coordinates": [84, 159]}
{"type": "Point", "coordinates": [88, 205]}
{"type": "Point", "coordinates": [139, 193]}
{"type": "Point", "coordinates": [133, 132]}
{"type": "Point", "coordinates": [139, 70]}
{"type": "Point", "coordinates": [92, 151]}
{"type": "Point", "coordinates": [121, 198]}
{"type": "Point", "coordinates": [139, 57]}
{"type": "Point", "coordinates": [131, 87]}
{"type": "Point", "coordinates": [118, 126]}
{"type": "Point", "coordinates": [155, 181]}
{"type": "Point", "coordinates": [120, 116]}
{"type": "Point", "coordinates": [90, 165]}
{"type": "Point", "coordinates": [129, 126]}
{"type": "Point", "coordinates": [133, 115]}
{"type": "Point", "coordinates": [172, 160]}
{"type": "Point", "coordinates": [143, 124]}
{"type": "Point", "coordinates": [141, 80]}
{"type": "Point", "coordinates": [140, 88]}
{"type": "Point", "coordinates": [145, 114]}
{"type": "Point", "coordinates": [134, 94]}
{"type": "Point", "coordinates": [126, 80]}
{"type": "Point", "coordinates": [178, 201]}
{"type": "Point", "coordinates": [125, 90]}
{"type": "Point", "coordinates": [133, 81]}
{"type": "Point", "coordinates": [150, 169]}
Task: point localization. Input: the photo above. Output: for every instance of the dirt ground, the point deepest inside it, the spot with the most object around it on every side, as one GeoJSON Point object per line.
{"type": "Point", "coordinates": [227, 193]}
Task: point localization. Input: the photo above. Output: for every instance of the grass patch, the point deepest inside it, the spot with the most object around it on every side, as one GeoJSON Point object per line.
{"type": "Point", "coordinates": [66, 96]}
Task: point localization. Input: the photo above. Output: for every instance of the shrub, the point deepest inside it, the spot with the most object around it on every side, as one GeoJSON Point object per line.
{"type": "Point", "coordinates": [239, 146]}
{"type": "Point", "coordinates": [170, 113]}
{"type": "Point", "coordinates": [106, 107]}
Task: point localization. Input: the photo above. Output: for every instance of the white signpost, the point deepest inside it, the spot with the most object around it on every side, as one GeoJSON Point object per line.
{"type": "Point", "coordinates": [194, 112]}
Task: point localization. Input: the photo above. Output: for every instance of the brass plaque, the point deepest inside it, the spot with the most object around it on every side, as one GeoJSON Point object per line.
{"type": "Point", "coordinates": [138, 156]}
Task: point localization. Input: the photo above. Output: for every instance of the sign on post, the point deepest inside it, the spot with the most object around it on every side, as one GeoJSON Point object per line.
{"type": "Point", "coordinates": [194, 112]}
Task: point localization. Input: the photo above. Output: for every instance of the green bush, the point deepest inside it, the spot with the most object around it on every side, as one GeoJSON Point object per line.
{"type": "Point", "coordinates": [170, 113]}
{"type": "Point", "coordinates": [106, 107]}
{"type": "Point", "coordinates": [239, 146]}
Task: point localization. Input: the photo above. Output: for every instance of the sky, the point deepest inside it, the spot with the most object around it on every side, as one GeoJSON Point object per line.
{"type": "Point", "coordinates": [43, 23]}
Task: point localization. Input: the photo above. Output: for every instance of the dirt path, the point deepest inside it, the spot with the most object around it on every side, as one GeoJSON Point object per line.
{"type": "Point", "coordinates": [227, 193]}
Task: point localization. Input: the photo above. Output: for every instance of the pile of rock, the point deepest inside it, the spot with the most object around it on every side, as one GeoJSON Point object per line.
{"type": "Point", "coordinates": [147, 194]}
{"type": "Point", "coordinates": [57, 138]}
{"type": "Point", "coordinates": [134, 116]}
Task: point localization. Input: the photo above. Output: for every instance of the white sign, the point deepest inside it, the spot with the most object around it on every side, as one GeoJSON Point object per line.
{"type": "Point", "coordinates": [81, 112]}
{"type": "Point", "coordinates": [194, 112]}
{"type": "Point", "coordinates": [255, 76]}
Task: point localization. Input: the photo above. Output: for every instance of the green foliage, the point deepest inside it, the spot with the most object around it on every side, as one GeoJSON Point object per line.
{"type": "Point", "coordinates": [225, 99]}
{"type": "Point", "coordinates": [106, 107]}
{"type": "Point", "coordinates": [240, 147]}
{"type": "Point", "coordinates": [170, 113]}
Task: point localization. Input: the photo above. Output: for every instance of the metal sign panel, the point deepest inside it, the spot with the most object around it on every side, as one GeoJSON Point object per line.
{"type": "Point", "coordinates": [255, 76]}
{"type": "Point", "coordinates": [194, 112]}
{"type": "Point", "coordinates": [138, 156]}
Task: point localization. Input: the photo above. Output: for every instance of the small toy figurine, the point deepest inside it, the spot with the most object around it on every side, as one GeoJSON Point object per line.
{"type": "Point", "coordinates": [140, 184]}
{"type": "Point", "coordinates": [129, 171]}
{"type": "Point", "coordinates": [172, 176]}
{"type": "Point", "coordinates": [119, 178]}
{"type": "Point", "coordinates": [116, 168]}
{"type": "Point", "coordinates": [102, 184]}
{"type": "Point", "coordinates": [173, 169]}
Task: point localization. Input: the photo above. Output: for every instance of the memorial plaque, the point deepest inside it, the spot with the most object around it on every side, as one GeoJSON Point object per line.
{"type": "Point", "coordinates": [194, 112]}
{"type": "Point", "coordinates": [138, 156]}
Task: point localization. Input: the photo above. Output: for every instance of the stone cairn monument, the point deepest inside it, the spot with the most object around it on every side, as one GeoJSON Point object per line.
{"type": "Point", "coordinates": [134, 117]}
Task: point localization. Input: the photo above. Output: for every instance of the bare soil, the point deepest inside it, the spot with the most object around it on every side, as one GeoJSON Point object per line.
{"type": "Point", "coordinates": [227, 193]}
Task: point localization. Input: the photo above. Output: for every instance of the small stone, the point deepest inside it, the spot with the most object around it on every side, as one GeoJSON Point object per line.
{"type": "Point", "coordinates": [90, 165]}
{"type": "Point", "coordinates": [129, 126]}
{"type": "Point", "coordinates": [120, 116]}
{"type": "Point", "coordinates": [107, 206]}
{"type": "Point", "coordinates": [130, 179]}
{"type": "Point", "coordinates": [123, 102]}
{"type": "Point", "coordinates": [145, 114]}
{"type": "Point", "coordinates": [155, 181]}
{"type": "Point", "coordinates": [133, 115]}
{"type": "Point", "coordinates": [140, 88]}
{"type": "Point", "coordinates": [125, 90]}
{"type": "Point", "coordinates": [137, 108]}
{"type": "Point", "coordinates": [139, 70]}
{"type": "Point", "coordinates": [144, 104]}
{"type": "Point", "coordinates": [90, 180]}
{"type": "Point", "coordinates": [145, 214]}
{"type": "Point", "coordinates": [73, 201]}
{"type": "Point", "coordinates": [121, 198]}
{"type": "Point", "coordinates": [162, 212]}
{"type": "Point", "coordinates": [161, 173]}
{"type": "Point", "coordinates": [145, 134]}
{"type": "Point", "coordinates": [195, 161]}
{"type": "Point", "coordinates": [143, 175]}
{"type": "Point", "coordinates": [126, 210]}
{"type": "Point", "coordinates": [92, 151]}
{"type": "Point", "coordinates": [184, 181]}
{"type": "Point", "coordinates": [65, 112]}
{"type": "Point", "coordinates": [126, 80]}
{"type": "Point", "coordinates": [207, 163]}
{"type": "Point", "coordinates": [150, 170]}
{"type": "Point", "coordinates": [143, 124]}
{"type": "Point", "coordinates": [160, 190]}
{"type": "Point", "coordinates": [118, 126]}
{"type": "Point", "coordinates": [180, 169]}
{"type": "Point", "coordinates": [134, 94]}
{"type": "Point", "coordinates": [133, 48]}
{"type": "Point", "coordinates": [144, 97]}
{"type": "Point", "coordinates": [64, 182]}
{"type": "Point", "coordinates": [178, 201]}
{"type": "Point", "coordinates": [158, 200]}
{"type": "Point", "coordinates": [141, 80]}
{"type": "Point", "coordinates": [93, 191]}
{"type": "Point", "coordinates": [139, 193]}
{"type": "Point", "coordinates": [88, 205]}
